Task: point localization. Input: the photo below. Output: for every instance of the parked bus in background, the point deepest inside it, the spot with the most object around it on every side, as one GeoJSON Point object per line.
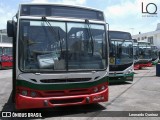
{"type": "Point", "coordinates": [154, 54]}
{"type": "Point", "coordinates": [5, 50]}
{"type": "Point", "coordinates": [5, 55]}
{"type": "Point", "coordinates": [121, 57]}
{"type": "Point", "coordinates": [145, 58]}
{"type": "Point", "coordinates": [136, 54]}
{"type": "Point", "coordinates": [61, 56]}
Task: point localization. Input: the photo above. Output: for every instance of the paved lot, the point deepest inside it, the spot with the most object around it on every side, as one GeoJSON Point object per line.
{"type": "Point", "coordinates": [143, 94]}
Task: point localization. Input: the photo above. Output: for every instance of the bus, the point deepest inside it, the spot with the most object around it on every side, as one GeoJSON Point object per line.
{"type": "Point", "coordinates": [5, 55]}
{"type": "Point", "coordinates": [154, 54]}
{"type": "Point", "coordinates": [121, 57]}
{"type": "Point", "coordinates": [145, 58]}
{"type": "Point", "coordinates": [61, 56]}
{"type": "Point", "coordinates": [135, 54]}
{"type": "Point", "coordinates": [145, 54]}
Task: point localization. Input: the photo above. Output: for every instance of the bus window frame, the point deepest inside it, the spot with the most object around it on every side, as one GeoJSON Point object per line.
{"type": "Point", "coordinates": [120, 40]}
{"type": "Point", "coordinates": [64, 71]}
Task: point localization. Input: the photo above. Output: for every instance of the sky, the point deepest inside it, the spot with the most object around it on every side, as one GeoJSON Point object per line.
{"type": "Point", "coordinates": [122, 15]}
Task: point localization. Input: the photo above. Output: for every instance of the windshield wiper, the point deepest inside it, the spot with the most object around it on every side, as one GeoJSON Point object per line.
{"type": "Point", "coordinates": [57, 35]}
{"type": "Point", "coordinates": [90, 33]}
{"type": "Point", "coordinates": [59, 38]}
{"type": "Point", "coordinates": [49, 24]}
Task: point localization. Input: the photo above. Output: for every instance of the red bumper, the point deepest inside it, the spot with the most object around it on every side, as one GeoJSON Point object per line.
{"type": "Point", "coordinates": [149, 64]}
{"type": "Point", "coordinates": [24, 102]}
{"type": "Point", "coordinates": [136, 67]}
{"type": "Point", "coordinates": [7, 64]}
{"type": "Point", "coordinates": [146, 65]}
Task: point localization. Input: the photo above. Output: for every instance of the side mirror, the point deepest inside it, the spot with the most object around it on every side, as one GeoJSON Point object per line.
{"type": "Point", "coordinates": [10, 28]}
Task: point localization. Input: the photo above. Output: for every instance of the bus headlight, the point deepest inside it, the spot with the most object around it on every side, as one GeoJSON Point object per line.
{"type": "Point", "coordinates": [102, 87]}
{"type": "Point", "coordinates": [129, 71]}
{"type": "Point", "coordinates": [33, 94]}
{"type": "Point", "coordinates": [24, 92]}
{"type": "Point", "coordinates": [95, 89]}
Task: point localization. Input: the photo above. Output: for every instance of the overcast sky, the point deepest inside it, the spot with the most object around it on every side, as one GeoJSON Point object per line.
{"type": "Point", "coordinates": [124, 15]}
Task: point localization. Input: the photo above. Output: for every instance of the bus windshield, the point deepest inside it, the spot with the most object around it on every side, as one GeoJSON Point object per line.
{"type": "Point", "coordinates": [7, 51]}
{"type": "Point", "coordinates": [135, 52]}
{"type": "Point", "coordinates": [1, 51]}
{"type": "Point", "coordinates": [61, 46]}
{"type": "Point", "coordinates": [154, 52]}
{"type": "Point", "coordinates": [144, 52]}
{"type": "Point", "coordinates": [121, 52]}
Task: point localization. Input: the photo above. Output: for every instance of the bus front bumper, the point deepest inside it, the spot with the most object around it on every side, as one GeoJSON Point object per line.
{"type": "Point", "coordinates": [136, 67]}
{"type": "Point", "coordinates": [154, 63]}
{"type": "Point", "coordinates": [149, 64]}
{"type": "Point", "coordinates": [25, 102]}
{"type": "Point", "coordinates": [6, 64]}
{"type": "Point", "coordinates": [121, 77]}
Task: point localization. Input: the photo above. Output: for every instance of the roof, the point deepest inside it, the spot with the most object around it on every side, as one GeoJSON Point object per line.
{"type": "Point", "coordinates": [3, 31]}
{"type": "Point", "coordinates": [55, 4]}
{"type": "Point", "coordinates": [5, 45]}
{"type": "Point", "coordinates": [118, 31]}
{"type": "Point", "coordinates": [143, 42]}
{"type": "Point", "coordinates": [147, 33]}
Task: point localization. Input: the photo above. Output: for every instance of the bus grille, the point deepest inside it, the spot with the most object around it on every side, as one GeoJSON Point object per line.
{"type": "Point", "coordinates": [65, 92]}
{"type": "Point", "coordinates": [119, 67]}
{"type": "Point", "coordinates": [65, 80]}
{"type": "Point", "coordinates": [66, 101]}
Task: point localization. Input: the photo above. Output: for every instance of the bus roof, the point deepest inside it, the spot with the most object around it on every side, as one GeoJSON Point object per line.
{"type": "Point", "coordinates": [143, 42]}
{"type": "Point", "coordinates": [119, 31]}
{"type": "Point", "coordinates": [60, 4]}
{"type": "Point", "coordinates": [120, 35]}
{"type": "Point", "coordinates": [6, 45]}
{"type": "Point", "coordinates": [60, 11]}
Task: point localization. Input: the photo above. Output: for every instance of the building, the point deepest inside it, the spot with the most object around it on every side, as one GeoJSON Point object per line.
{"type": "Point", "coordinates": [153, 37]}
{"type": "Point", "coordinates": [4, 38]}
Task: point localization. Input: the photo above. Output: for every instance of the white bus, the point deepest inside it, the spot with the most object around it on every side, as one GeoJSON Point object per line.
{"type": "Point", "coordinates": [121, 57]}
{"type": "Point", "coordinates": [145, 54]}
{"type": "Point", "coordinates": [61, 56]}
